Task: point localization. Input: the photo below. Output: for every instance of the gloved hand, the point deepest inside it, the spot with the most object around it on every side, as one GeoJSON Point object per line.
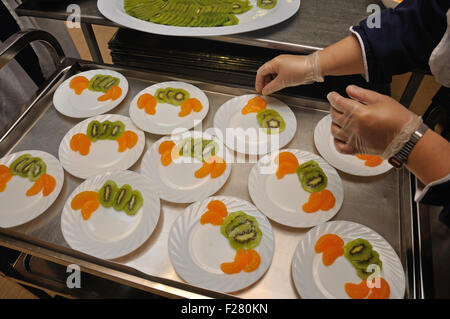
{"type": "Point", "coordinates": [288, 70]}
{"type": "Point", "coordinates": [370, 123]}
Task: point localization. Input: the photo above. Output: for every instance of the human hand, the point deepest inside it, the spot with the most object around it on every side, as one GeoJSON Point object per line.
{"type": "Point", "coordinates": [370, 123]}
{"type": "Point", "coordinates": [288, 70]}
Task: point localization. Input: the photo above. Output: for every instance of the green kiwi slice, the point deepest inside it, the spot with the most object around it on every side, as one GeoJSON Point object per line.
{"type": "Point", "coordinates": [94, 130]}
{"type": "Point", "coordinates": [313, 180]}
{"type": "Point", "coordinates": [169, 94]}
{"type": "Point", "coordinates": [234, 220]}
{"type": "Point", "coordinates": [107, 193]}
{"type": "Point", "coordinates": [122, 197]}
{"type": "Point", "coordinates": [373, 260]}
{"type": "Point", "coordinates": [38, 169]}
{"type": "Point", "coordinates": [179, 96]}
{"type": "Point", "coordinates": [102, 83]}
{"type": "Point", "coordinates": [134, 203]}
{"type": "Point", "coordinates": [245, 236]}
{"type": "Point", "coordinates": [161, 96]}
{"type": "Point", "coordinates": [266, 4]}
{"type": "Point", "coordinates": [18, 163]}
{"type": "Point", "coordinates": [117, 129]}
{"type": "Point", "coordinates": [305, 167]}
{"type": "Point", "coordinates": [105, 130]}
{"type": "Point", "coordinates": [26, 168]}
{"type": "Point", "coordinates": [271, 120]}
{"type": "Point", "coordinates": [358, 250]}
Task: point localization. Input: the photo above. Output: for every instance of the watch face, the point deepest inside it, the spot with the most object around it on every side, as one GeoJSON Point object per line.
{"type": "Point", "coordinates": [395, 162]}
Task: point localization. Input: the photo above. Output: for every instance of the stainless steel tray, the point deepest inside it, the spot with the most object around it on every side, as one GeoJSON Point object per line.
{"type": "Point", "coordinates": [383, 203]}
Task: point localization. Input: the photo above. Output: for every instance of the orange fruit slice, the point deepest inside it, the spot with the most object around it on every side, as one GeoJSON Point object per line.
{"type": "Point", "coordinates": [254, 260]}
{"type": "Point", "coordinates": [37, 187]}
{"type": "Point", "coordinates": [211, 217]}
{"type": "Point", "coordinates": [166, 158]}
{"type": "Point", "coordinates": [79, 84]}
{"type": "Point", "coordinates": [80, 143]}
{"type": "Point", "coordinates": [131, 138]}
{"type": "Point", "coordinates": [383, 292]}
{"type": "Point", "coordinates": [81, 198]}
{"type": "Point", "coordinates": [147, 102]}
{"type": "Point", "coordinates": [219, 207]}
{"type": "Point", "coordinates": [49, 184]}
{"type": "Point", "coordinates": [4, 169]}
{"type": "Point", "coordinates": [186, 108]}
{"type": "Point", "coordinates": [326, 241]}
{"type": "Point", "coordinates": [370, 160]}
{"type": "Point", "coordinates": [196, 104]}
{"type": "Point", "coordinates": [313, 204]}
{"type": "Point", "coordinates": [122, 142]}
{"type": "Point", "coordinates": [5, 177]}
{"type": "Point", "coordinates": [204, 170]}
{"type": "Point", "coordinates": [88, 208]}
{"type": "Point", "coordinates": [112, 94]}
{"type": "Point", "coordinates": [331, 254]}
{"type": "Point", "coordinates": [287, 164]}
{"type": "Point", "coordinates": [328, 200]}
{"type": "Point", "coordinates": [254, 105]}
{"type": "Point", "coordinates": [357, 291]}
{"type": "Point", "coordinates": [166, 146]}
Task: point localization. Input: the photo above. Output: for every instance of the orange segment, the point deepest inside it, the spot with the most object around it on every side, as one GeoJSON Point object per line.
{"type": "Point", "coordinates": [80, 143]}
{"type": "Point", "coordinates": [204, 170]}
{"type": "Point", "coordinates": [219, 207]}
{"type": "Point", "coordinates": [37, 187]}
{"type": "Point", "coordinates": [370, 160]}
{"type": "Point", "coordinates": [196, 104]}
{"type": "Point", "coordinates": [357, 291]}
{"type": "Point", "coordinates": [219, 166]}
{"type": "Point", "coordinates": [112, 94]}
{"type": "Point", "coordinates": [4, 169]}
{"type": "Point", "coordinates": [331, 254]}
{"type": "Point", "coordinates": [166, 146]}
{"type": "Point", "coordinates": [313, 204]}
{"type": "Point", "coordinates": [211, 217]}
{"type": "Point", "coordinates": [79, 84]}
{"type": "Point", "coordinates": [80, 199]}
{"type": "Point", "coordinates": [383, 292]}
{"type": "Point", "coordinates": [186, 108]}
{"type": "Point", "coordinates": [49, 184]}
{"type": "Point", "coordinates": [254, 105]}
{"type": "Point", "coordinates": [328, 200]}
{"type": "Point", "coordinates": [147, 102]}
{"type": "Point", "coordinates": [88, 208]}
{"type": "Point", "coordinates": [131, 138]}
{"type": "Point", "coordinates": [166, 158]}
{"type": "Point", "coordinates": [254, 260]}
{"type": "Point", "coordinates": [122, 142]}
{"type": "Point", "coordinates": [5, 177]}
{"type": "Point", "coordinates": [287, 164]}
{"type": "Point", "coordinates": [326, 241]}
{"type": "Point", "coordinates": [230, 268]}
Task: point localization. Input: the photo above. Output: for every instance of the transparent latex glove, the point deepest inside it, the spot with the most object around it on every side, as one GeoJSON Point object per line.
{"type": "Point", "coordinates": [370, 123]}
{"type": "Point", "coordinates": [287, 70]}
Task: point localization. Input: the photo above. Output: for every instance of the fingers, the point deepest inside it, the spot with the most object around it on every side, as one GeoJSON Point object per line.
{"type": "Point", "coordinates": [362, 95]}
{"type": "Point", "coordinates": [264, 74]}
{"type": "Point", "coordinates": [342, 104]}
{"type": "Point", "coordinates": [273, 86]}
{"type": "Point", "coordinates": [339, 133]}
{"type": "Point", "coordinates": [344, 148]}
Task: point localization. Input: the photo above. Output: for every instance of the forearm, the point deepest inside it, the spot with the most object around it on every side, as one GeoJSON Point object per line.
{"type": "Point", "coordinates": [344, 57]}
{"type": "Point", "coordinates": [430, 158]}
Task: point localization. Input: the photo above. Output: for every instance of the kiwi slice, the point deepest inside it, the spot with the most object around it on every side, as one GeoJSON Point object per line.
{"type": "Point", "coordinates": [210, 148]}
{"type": "Point", "coordinates": [271, 120]}
{"type": "Point", "coordinates": [374, 259]}
{"type": "Point", "coordinates": [245, 236]}
{"type": "Point", "coordinates": [266, 4]}
{"type": "Point", "coordinates": [314, 180]}
{"type": "Point", "coordinates": [169, 94]}
{"type": "Point", "coordinates": [18, 163]}
{"type": "Point", "coordinates": [94, 130]}
{"type": "Point", "coordinates": [122, 197]}
{"type": "Point", "coordinates": [363, 273]}
{"type": "Point", "coordinates": [240, 6]}
{"type": "Point", "coordinates": [107, 193]}
{"type": "Point", "coordinates": [105, 130]}
{"type": "Point", "coordinates": [180, 96]}
{"type": "Point", "coordinates": [234, 220]}
{"type": "Point", "coordinates": [134, 203]}
{"type": "Point", "coordinates": [358, 250]}
{"type": "Point", "coordinates": [305, 167]}
{"type": "Point", "coordinates": [38, 169]}
{"type": "Point", "coordinates": [26, 168]}
{"type": "Point", "coordinates": [161, 96]}
{"type": "Point", "coordinates": [102, 83]}
{"type": "Point", "coordinates": [117, 129]}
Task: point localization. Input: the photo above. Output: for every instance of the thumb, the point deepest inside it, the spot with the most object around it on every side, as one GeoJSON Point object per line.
{"type": "Point", "coordinates": [273, 86]}
{"type": "Point", "coordinates": [362, 95]}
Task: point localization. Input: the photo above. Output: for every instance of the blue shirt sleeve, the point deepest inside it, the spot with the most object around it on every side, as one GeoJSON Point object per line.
{"type": "Point", "coordinates": [405, 39]}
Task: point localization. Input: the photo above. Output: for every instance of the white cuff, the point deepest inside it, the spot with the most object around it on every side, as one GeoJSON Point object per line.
{"type": "Point", "coordinates": [420, 193]}
{"type": "Point", "coordinates": [361, 43]}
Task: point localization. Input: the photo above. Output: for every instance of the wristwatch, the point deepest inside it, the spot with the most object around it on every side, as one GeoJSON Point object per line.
{"type": "Point", "coordinates": [399, 159]}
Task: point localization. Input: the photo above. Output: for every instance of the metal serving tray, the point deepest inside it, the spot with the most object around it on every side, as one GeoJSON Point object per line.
{"type": "Point", "coordinates": [383, 203]}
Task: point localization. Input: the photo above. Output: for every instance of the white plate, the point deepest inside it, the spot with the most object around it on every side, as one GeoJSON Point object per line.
{"type": "Point", "coordinates": [86, 104]}
{"type": "Point", "coordinates": [110, 234]}
{"type": "Point", "coordinates": [103, 155]}
{"type": "Point", "coordinates": [166, 120]}
{"type": "Point", "coordinates": [281, 199]}
{"type": "Point", "coordinates": [350, 164]}
{"type": "Point", "coordinates": [15, 207]}
{"type": "Point", "coordinates": [196, 250]}
{"type": "Point", "coordinates": [177, 182]}
{"type": "Point", "coordinates": [243, 134]}
{"type": "Point", "coordinates": [254, 19]}
{"type": "Point", "coordinates": [313, 280]}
